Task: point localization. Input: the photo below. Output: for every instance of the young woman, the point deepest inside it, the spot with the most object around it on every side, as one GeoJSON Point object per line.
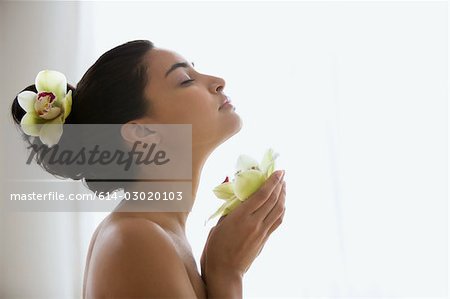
{"type": "Point", "coordinates": [147, 254]}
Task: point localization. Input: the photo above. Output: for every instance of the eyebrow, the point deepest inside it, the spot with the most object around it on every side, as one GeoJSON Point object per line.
{"type": "Point", "coordinates": [177, 65]}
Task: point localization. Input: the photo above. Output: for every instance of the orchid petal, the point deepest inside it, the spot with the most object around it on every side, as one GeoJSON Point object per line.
{"type": "Point", "coordinates": [232, 204]}
{"type": "Point", "coordinates": [247, 182]}
{"type": "Point", "coordinates": [219, 211]}
{"type": "Point", "coordinates": [224, 190]}
{"type": "Point", "coordinates": [51, 132]}
{"type": "Point", "coordinates": [51, 114]}
{"type": "Point", "coordinates": [31, 124]}
{"type": "Point", "coordinates": [268, 162]}
{"type": "Point", "coordinates": [245, 162]}
{"type": "Point", "coordinates": [249, 177]}
{"type": "Point", "coordinates": [52, 81]}
{"type": "Point", "coordinates": [26, 100]}
{"type": "Point", "coordinates": [67, 104]}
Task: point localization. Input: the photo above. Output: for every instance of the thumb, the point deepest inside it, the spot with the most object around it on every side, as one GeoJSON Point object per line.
{"type": "Point", "coordinates": [209, 234]}
{"type": "Point", "coordinates": [221, 218]}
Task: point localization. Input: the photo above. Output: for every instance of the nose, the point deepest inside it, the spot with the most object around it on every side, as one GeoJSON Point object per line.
{"type": "Point", "coordinates": [218, 85]}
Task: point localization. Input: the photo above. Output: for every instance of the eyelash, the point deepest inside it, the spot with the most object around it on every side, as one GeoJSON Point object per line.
{"type": "Point", "coordinates": [187, 81]}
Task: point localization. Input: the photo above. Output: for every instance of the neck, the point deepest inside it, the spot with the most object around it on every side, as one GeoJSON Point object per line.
{"type": "Point", "coordinates": [173, 221]}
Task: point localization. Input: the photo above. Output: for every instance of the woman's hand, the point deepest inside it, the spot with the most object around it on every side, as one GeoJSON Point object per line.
{"type": "Point", "coordinates": [237, 239]}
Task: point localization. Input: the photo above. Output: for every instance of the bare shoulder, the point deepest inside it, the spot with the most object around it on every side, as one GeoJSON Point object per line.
{"type": "Point", "coordinates": [135, 257]}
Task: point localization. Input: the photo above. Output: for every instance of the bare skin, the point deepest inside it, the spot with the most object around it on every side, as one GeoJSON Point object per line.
{"type": "Point", "coordinates": [147, 254]}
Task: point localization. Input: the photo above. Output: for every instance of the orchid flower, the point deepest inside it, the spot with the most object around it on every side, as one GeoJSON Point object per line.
{"type": "Point", "coordinates": [249, 177]}
{"type": "Point", "coordinates": [46, 110]}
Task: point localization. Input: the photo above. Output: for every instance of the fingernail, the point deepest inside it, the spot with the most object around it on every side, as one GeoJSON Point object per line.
{"type": "Point", "coordinates": [280, 174]}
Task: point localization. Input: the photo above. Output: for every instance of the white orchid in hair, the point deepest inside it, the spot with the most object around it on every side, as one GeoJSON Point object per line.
{"type": "Point", "coordinates": [249, 177]}
{"type": "Point", "coordinates": [46, 110]}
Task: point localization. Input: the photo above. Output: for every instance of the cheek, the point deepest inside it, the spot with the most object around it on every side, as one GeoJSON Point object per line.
{"type": "Point", "coordinates": [190, 108]}
{"type": "Point", "coordinates": [198, 105]}
{"type": "Point", "coordinates": [202, 113]}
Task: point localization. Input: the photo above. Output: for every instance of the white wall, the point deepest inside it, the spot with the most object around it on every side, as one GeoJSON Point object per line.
{"type": "Point", "coordinates": [42, 254]}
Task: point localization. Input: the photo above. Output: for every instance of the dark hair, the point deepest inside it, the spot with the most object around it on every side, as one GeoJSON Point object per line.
{"type": "Point", "coordinates": [110, 92]}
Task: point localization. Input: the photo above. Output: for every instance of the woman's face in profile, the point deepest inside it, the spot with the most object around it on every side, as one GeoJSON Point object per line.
{"type": "Point", "coordinates": [181, 95]}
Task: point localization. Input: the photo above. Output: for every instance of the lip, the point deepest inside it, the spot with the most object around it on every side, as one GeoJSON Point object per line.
{"type": "Point", "coordinates": [225, 101]}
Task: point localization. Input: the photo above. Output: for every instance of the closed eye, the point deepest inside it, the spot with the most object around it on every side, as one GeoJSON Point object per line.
{"type": "Point", "coordinates": [187, 81]}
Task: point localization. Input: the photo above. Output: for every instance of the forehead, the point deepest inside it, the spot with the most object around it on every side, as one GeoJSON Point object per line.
{"type": "Point", "coordinates": [160, 60]}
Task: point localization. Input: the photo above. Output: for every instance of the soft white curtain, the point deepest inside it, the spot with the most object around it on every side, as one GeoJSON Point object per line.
{"type": "Point", "coordinates": [353, 95]}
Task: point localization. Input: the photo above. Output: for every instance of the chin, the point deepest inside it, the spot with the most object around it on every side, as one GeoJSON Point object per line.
{"type": "Point", "coordinates": [223, 130]}
{"type": "Point", "coordinates": [232, 127]}
{"type": "Point", "coordinates": [239, 124]}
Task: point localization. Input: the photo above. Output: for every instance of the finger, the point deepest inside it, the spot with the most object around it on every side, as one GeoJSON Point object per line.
{"type": "Point", "coordinates": [275, 225]}
{"type": "Point", "coordinates": [265, 208]}
{"type": "Point", "coordinates": [259, 197]}
{"type": "Point", "coordinates": [209, 235]}
{"type": "Point", "coordinates": [262, 246]}
{"type": "Point", "coordinates": [278, 208]}
{"type": "Point", "coordinates": [210, 231]}
{"type": "Point", "coordinates": [271, 230]}
{"type": "Point", "coordinates": [220, 219]}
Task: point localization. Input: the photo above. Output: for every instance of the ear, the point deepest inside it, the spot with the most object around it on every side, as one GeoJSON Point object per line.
{"type": "Point", "coordinates": [135, 130]}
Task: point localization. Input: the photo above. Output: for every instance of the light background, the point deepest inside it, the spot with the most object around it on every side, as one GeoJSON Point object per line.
{"type": "Point", "coordinates": [353, 95]}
